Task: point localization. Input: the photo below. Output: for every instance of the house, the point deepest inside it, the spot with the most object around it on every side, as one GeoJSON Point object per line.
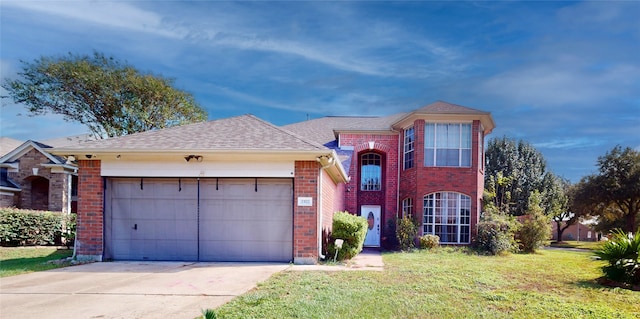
{"type": "Point", "coordinates": [582, 231]}
{"type": "Point", "coordinates": [33, 178]}
{"type": "Point", "coordinates": [242, 189]}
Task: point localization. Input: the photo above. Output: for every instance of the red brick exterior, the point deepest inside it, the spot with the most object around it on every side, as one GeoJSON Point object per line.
{"type": "Point", "coordinates": [305, 218]}
{"type": "Point", "coordinates": [332, 202]}
{"type": "Point", "coordinates": [419, 181]}
{"type": "Point", "coordinates": [89, 231]}
{"type": "Point", "coordinates": [42, 191]}
{"type": "Point", "coordinates": [385, 145]}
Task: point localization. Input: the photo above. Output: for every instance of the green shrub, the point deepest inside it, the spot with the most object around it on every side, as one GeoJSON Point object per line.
{"type": "Point", "coordinates": [429, 241]}
{"type": "Point", "coordinates": [496, 233]}
{"type": "Point", "coordinates": [30, 227]}
{"type": "Point", "coordinates": [406, 231]}
{"type": "Point", "coordinates": [623, 256]}
{"type": "Point", "coordinates": [389, 238]}
{"type": "Point", "coordinates": [352, 229]}
{"type": "Point", "coordinates": [535, 230]}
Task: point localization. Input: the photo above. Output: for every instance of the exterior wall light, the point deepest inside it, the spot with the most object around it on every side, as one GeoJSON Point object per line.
{"type": "Point", "coordinates": [198, 158]}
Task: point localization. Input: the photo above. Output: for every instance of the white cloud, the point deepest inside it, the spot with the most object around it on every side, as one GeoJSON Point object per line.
{"type": "Point", "coordinates": [236, 95]}
{"type": "Point", "coordinates": [107, 13]}
{"type": "Point", "coordinates": [569, 143]}
{"type": "Point", "coordinates": [562, 82]}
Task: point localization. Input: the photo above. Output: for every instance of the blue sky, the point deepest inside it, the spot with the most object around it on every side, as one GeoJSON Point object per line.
{"type": "Point", "coordinates": [564, 76]}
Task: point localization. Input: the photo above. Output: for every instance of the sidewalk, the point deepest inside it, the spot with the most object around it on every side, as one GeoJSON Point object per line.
{"type": "Point", "coordinates": [368, 259]}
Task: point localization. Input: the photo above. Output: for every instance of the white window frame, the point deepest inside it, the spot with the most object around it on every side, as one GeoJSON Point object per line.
{"type": "Point", "coordinates": [370, 185]}
{"type": "Point", "coordinates": [407, 207]}
{"type": "Point", "coordinates": [409, 148]}
{"type": "Point", "coordinates": [431, 160]}
{"type": "Point", "coordinates": [442, 210]}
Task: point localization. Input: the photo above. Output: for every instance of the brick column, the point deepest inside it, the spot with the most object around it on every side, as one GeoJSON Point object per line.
{"type": "Point", "coordinates": [89, 230]}
{"type": "Point", "coordinates": [305, 218]}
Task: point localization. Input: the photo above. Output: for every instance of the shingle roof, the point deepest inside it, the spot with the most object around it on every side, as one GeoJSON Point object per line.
{"type": "Point", "coordinates": [16, 153]}
{"type": "Point", "coordinates": [322, 130]}
{"type": "Point", "coordinates": [245, 132]}
{"type": "Point", "coordinates": [8, 144]}
{"type": "Point", "coordinates": [441, 107]}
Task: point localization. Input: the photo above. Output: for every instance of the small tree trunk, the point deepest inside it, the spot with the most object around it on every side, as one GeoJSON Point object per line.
{"type": "Point", "coordinates": [559, 231]}
{"type": "Point", "coordinates": [630, 223]}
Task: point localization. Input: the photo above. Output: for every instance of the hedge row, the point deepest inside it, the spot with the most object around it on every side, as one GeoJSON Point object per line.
{"type": "Point", "coordinates": [20, 227]}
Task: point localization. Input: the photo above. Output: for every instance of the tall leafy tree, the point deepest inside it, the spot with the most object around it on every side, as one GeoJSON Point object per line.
{"type": "Point", "coordinates": [110, 97]}
{"type": "Point", "coordinates": [522, 164]}
{"type": "Point", "coordinates": [614, 193]}
{"type": "Point", "coordinates": [555, 201]}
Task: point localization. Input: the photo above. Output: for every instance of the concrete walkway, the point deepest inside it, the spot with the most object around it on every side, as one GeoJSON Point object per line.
{"type": "Point", "coordinates": [368, 259]}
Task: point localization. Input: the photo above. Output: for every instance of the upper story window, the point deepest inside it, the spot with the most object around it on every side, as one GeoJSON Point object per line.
{"type": "Point", "coordinates": [447, 144]}
{"type": "Point", "coordinates": [408, 147]}
{"type": "Point", "coordinates": [448, 215]}
{"type": "Point", "coordinates": [407, 207]}
{"type": "Point", "coordinates": [370, 172]}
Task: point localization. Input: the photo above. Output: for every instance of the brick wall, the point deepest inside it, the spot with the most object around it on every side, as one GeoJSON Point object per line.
{"type": "Point", "coordinates": [387, 146]}
{"type": "Point", "coordinates": [8, 200]}
{"type": "Point", "coordinates": [89, 235]}
{"type": "Point", "coordinates": [332, 201]}
{"type": "Point", "coordinates": [305, 218]}
{"type": "Point", "coordinates": [420, 181]}
{"type": "Point", "coordinates": [50, 187]}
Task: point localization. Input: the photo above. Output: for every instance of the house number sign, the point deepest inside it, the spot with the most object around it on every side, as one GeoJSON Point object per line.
{"type": "Point", "coordinates": [305, 201]}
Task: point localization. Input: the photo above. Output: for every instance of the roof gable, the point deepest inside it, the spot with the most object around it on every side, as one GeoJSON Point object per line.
{"type": "Point", "coordinates": [240, 133]}
{"type": "Point", "coordinates": [27, 146]}
{"type": "Point", "coordinates": [441, 107]}
{"type": "Point", "coordinates": [444, 112]}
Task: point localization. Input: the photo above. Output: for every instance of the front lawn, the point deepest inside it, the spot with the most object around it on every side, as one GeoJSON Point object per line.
{"type": "Point", "coordinates": [445, 284]}
{"type": "Point", "coordinates": [20, 260]}
{"type": "Point", "coordinates": [590, 245]}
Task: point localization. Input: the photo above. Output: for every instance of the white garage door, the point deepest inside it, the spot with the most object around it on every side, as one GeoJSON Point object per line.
{"type": "Point", "coordinates": [205, 220]}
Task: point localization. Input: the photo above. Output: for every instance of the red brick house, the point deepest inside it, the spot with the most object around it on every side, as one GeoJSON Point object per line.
{"type": "Point", "coordinates": [33, 178]}
{"type": "Point", "coordinates": [241, 189]}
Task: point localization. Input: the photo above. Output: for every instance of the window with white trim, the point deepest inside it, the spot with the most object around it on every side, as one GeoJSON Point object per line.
{"type": "Point", "coordinates": [408, 147]}
{"type": "Point", "coordinates": [447, 144]}
{"type": "Point", "coordinates": [370, 172]}
{"type": "Point", "coordinates": [448, 215]}
{"type": "Point", "coordinates": [407, 207]}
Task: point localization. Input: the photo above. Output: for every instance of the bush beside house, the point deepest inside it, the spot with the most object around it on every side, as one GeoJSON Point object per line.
{"type": "Point", "coordinates": [429, 241]}
{"type": "Point", "coordinates": [21, 227]}
{"type": "Point", "coordinates": [350, 228]}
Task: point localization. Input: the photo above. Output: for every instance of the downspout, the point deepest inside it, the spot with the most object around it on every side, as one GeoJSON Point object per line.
{"type": "Point", "coordinates": [400, 166]}
{"type": "Point", "coordinates": [329, 162]}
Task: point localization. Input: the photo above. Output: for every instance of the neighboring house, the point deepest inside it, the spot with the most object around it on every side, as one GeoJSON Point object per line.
{"type": "Point", "coordinates": [33, 178]}
{"type": "Point", "coordinates": [578, 231]}
{"type": "Point", "coordinates": [242, 189]}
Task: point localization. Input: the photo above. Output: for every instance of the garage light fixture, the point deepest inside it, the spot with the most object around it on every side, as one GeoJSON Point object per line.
{"type": "Point", "coordinates": [198, 158]}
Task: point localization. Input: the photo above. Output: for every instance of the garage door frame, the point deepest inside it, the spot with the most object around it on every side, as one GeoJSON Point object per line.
{"type": "Point", "coordinates": [256, 183]}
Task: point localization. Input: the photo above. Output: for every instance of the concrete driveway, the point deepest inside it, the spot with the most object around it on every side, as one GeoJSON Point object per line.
{"type": "Point", "coordinates": [129, 289]}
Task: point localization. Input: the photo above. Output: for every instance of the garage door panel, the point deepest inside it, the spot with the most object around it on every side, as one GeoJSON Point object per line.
{"type": "Point", "coordinates": [162, 219]}
{"type": "Point", "coordinates": [239, 225]}
{"type": "Point", "coordinates": [152, 222]}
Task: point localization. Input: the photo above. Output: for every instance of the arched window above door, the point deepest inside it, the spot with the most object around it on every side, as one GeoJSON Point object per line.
{"type": "Point", "coordinates": [370, 172]}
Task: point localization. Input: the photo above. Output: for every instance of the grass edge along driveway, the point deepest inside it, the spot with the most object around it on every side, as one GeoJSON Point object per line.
{"type": "Point", "coordinates": [447, 283]}
{"type": "Point", "coordinates": [22, 260]}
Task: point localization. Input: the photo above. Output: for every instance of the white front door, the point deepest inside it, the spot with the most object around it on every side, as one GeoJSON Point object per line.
{"type": "Point", "coordinates": [372, 214]}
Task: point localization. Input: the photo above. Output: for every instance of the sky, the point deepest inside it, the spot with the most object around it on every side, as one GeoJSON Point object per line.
{"type": "Point", "coordinates": [563, 76]}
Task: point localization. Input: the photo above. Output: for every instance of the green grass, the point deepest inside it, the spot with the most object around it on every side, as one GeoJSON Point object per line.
{"type": "Point", "coordinates": [447, 283]}
{"type": "Point", "coordinates": [590, 245]}
{"type": "Point", "coordinates": [20, 260]}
